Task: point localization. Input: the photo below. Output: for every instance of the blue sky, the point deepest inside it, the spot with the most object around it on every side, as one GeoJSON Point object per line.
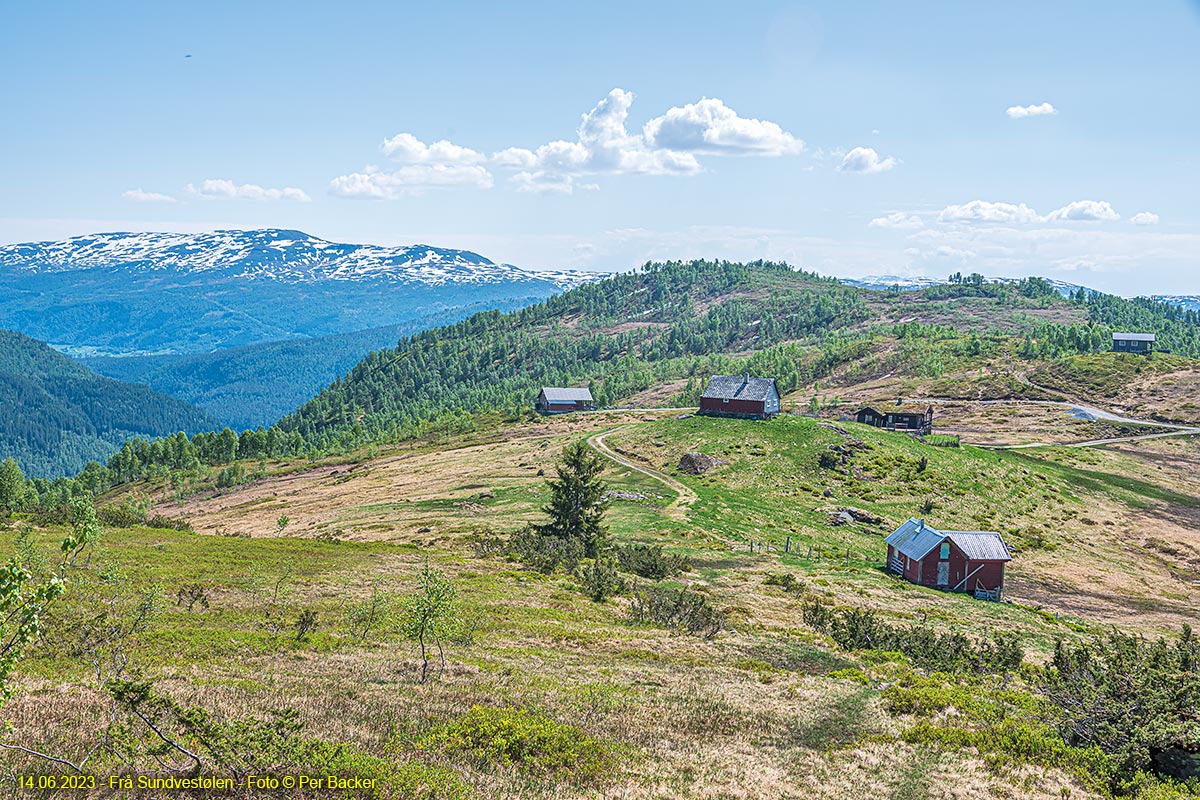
{"type": "Point", "coordinates": [850, 138]}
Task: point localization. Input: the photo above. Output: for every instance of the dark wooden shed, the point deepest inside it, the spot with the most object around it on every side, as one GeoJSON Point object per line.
{"type": "Point", "coordinates": [957, 561]}
{"type": "Point", "coordinates": [740, 396]}
{"type": "Point", "coordinates": [1142, 343]}
{"type": "Point", "coordinates": [557, 400]}
{"type": "Point", "coordinates": [911, 417]}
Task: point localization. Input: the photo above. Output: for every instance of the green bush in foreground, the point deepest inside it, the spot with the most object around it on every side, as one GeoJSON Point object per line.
{"type": "Point", "coordinates": [533, 743]}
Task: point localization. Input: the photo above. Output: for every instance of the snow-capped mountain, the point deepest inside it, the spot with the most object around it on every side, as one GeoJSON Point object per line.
{"type": "Point", "coordinates": [1191, 302]}
{"type": "Point", "coordinates": [280, 255]}
{"type": "Point", "coordinates": [915, 283]}
{"type": "Point", "coordinates": [885, 282]}
{"type": "Point", "coordinates": [126, 294]}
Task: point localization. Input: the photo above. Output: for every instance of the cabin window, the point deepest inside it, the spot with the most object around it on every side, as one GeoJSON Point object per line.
{"type": "Point", "coordinates": [724, 399]}
{"type": "Point", "coordinates": [944, 551]}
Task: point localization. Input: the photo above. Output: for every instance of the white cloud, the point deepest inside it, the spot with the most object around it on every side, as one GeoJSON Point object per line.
{"type": "Point", "coordinates": [139, 196]}
{"type": "Point", "coordinates": [866, 161]}
{"type": "Point", "coordinates": [666, 145]}
{"type": "Point", "coordinates": [711, 127]}
{"type": "Point", "coordinates": [899, 220]}
{"type": "Point", "coordinates": [1144, 218]}
{"type": "Point", "coordinates": [1085, 211]}
{"type": "Point", "coordinates": [1039, 110]}
{"type": "Point", "coordinates": [541, 181]}
{"type": "Point", "coordinates": [514, 157]}
{"type": "Point", "coordinates": [221, 189]}
{"type": "Point", "coordinates": [413, 179]}
{"type": "Point", "coordinates": [985, 211]}
{"type": "Point", "coordinates": [408, 149]}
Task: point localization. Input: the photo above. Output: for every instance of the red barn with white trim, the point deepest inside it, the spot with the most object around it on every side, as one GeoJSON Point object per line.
{"type": "Point", "coordinates": [957, 561]}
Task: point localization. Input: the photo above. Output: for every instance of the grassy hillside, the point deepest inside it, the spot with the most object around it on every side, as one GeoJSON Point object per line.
{"type": "Point", "coordinates": [59, 415]}
{"type": "Point", "coordinates": [593, 702]}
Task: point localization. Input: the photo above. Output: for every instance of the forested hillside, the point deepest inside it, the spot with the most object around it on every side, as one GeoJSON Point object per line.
{"type": "Point", "coordinates": [620, 336]}
{"type": "Point", "coordinates": [58, 415]}
{"type": "Point", "coordinates": [257, 384]}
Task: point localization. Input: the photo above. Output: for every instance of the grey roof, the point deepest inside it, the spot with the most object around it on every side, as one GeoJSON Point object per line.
{"type": "Point", "coordinates": [740, 387]}
{"type": "Point", "coordinates": [883, 409]}
{"type": "Point", "coordinates": [556, 394]}
{"type": "Point", "coordinates": [915, 539]}
{"type": "Point", "coordinates": [1134, 337]}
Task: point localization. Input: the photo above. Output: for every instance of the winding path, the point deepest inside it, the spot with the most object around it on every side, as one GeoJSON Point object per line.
{"type": "Point", "coordinates": [685, 496]}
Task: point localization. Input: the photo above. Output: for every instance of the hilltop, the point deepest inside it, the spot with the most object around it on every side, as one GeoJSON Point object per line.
{"type": "Point", "coordinates": [59, 415]}
{"type": "Point", "coordinates": [651, 338]}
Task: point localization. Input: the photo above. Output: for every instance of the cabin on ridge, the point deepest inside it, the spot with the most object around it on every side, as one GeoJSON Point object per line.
{"type": "Point", "coordinates": [956, 561]}
{"type": "Point", "coordinates": [911, 417]}
{"type": "Point", "coordinates": [740, 396]}
{"type": "Point", "coordinates": [558, 400]}
{"type": "Point", "coordinates": [1142, 343]}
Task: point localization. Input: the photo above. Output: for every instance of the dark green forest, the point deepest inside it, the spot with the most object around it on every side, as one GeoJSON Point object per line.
{"type": "Point", "coordinates": [58, 415]}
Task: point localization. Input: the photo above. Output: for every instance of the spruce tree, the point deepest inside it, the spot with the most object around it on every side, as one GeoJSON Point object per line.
{"type": "Point", "coordinates": [577, 501]}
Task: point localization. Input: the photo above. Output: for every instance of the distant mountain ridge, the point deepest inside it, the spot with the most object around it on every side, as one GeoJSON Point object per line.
{"type": "Point", "coordinates": [58, 415]}
{"type": "Point", "coordinates": [913, 283]}
{"type": "Point", "coordinates": [271, 253]}
{"type": "Point", "coordinates": [122, 294]}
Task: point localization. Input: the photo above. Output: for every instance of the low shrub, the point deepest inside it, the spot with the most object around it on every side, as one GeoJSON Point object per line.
{"type": "Point", "coordinates": [600, 580]}
{"type": "Point", "coordinates": [856, 629]}
{"type": "Point", "coordinates": [651, 561]}
{"type": "Point", "coordinates": [543, 552]}
{"type": "Point", "coordinates": [850, 674]}
{"type": "Point", "coordinates": [531, 742]}
{"type": "Point", "coordinates": [786, 581]}
{"type": "Point", "coordinates": [680, 610]}
{"type": "Point", "coordinates": [169, 523]}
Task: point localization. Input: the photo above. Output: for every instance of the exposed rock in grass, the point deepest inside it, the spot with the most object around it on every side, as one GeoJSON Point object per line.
{"type": "Point", "coordinates": [697, 463]}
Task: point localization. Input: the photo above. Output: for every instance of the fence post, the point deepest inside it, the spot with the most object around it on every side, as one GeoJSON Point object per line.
{"type": "Point", "coordinates": [787, 545]}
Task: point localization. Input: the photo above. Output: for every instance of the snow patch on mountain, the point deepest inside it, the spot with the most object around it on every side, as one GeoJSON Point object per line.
{"type": "Point", "coordinates": [272, 254]}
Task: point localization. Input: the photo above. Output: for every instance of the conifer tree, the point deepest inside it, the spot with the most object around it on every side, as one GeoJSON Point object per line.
{"type": "Point", "coordinates": [577, 501]}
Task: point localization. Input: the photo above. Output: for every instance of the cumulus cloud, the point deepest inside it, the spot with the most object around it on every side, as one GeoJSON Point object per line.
{"type": "Point", "coordinates": [408, 149]}
{"type": "Point", "coordinates": [220, 189]}
{"type": "Point", "coordinates": [666, 145]}
{"type": "Point", "coordinates": [139, 196]}
{"type": "Point", "coordinates": [866, 161]}
{"type": "Point", "coordinates": [1085, 211]}
{"type": "Point", "coordinates": [985, 211]}
{"type": "Point", "coordinates": [899, 220]}
{"type": "Point", "coordinates": [711, 127]}
{"type": "Point", "coordinates": [1144, 218]}
{"type": "Point", "coordinates": [1039, 110]}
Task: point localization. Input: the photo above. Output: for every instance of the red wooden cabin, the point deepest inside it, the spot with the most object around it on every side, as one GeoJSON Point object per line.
{"type": "Point", "coordinates": [957, 561]}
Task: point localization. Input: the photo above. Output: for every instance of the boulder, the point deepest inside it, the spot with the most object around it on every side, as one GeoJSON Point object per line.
{"type": "Point", "coordinates": [696, 463]}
